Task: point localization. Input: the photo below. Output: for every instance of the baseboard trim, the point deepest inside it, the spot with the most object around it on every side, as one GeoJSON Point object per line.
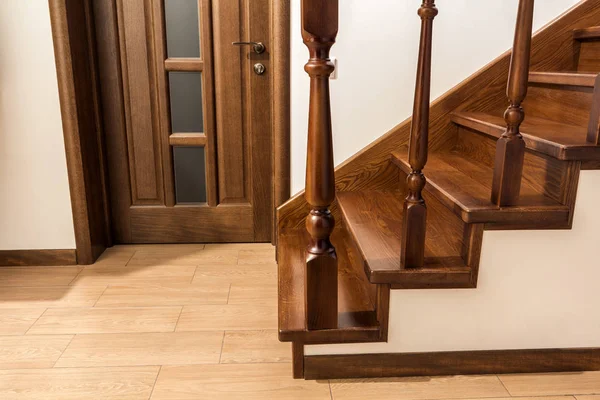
{"type": "Point", "coordinates": [451, 363]}
{"type": "Point", "coordinates": [23, 258]}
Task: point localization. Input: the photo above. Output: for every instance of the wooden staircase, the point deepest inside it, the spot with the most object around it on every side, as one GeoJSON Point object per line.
{"type": "Point", "coordinates": [561, 132]}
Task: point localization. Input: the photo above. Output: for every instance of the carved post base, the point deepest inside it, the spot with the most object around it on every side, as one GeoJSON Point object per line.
{"type": "Point", "coordinates": [414, 226]}
{"type": "Point", "coordinates": [508, 170]}
{"type": "Point", "coordinates": [321, 289]}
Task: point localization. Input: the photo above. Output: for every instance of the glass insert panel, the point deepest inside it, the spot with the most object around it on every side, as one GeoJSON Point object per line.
{"type": "Point", "coordinates": [183, 33]}
{"type": "Point", "coordinates": [190, 174]}
{"type": "Point", "coordinates": [186, 102]}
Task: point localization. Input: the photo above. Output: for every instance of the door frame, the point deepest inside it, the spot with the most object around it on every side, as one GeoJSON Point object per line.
{"type": "Point", "coordinates": [78, 83]}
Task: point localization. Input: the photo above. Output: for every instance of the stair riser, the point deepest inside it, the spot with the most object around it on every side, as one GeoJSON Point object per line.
{"type": "Point", "coordinates": [546, 174]}
{"type": "Point", "coordinates": [563, 104]}
{"type": "Point", "coordinates": [589, 56]}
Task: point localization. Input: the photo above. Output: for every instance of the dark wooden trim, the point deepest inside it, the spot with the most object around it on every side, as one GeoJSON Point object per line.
{"type": "Point", "coordinates": [73, 35]}
{"type": "Point", "coordinates": [37, 257]}
{"type": "Point", "coordinates": [281, 60]}
{"type": "Point", "coordinates": [451, 363]}
{"type": "Point", "coordinates": [298, 360]}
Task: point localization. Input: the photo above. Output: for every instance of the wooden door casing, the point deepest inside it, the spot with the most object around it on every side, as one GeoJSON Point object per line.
{"type": "Point", "coordinates": [135, 98]}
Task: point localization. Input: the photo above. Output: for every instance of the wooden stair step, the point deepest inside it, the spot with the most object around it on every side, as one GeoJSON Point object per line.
{"type": "Point", "coordinates": [357, 316]}
{"type": "Point", "coordinates": [374, 220]}
{"type": "Point", "coordinates": [464, 186]}
{"type": "Point", "coordinates": [564, 78]}
{"type": "Point", "coordinates": [591, 33]}
{"type": "Point", "coordinates": [561, 141]}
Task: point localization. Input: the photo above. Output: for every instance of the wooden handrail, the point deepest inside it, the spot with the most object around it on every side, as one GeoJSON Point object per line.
{"type": "Point", "coordinates": [319, 30]}
{"type": "Point", "coordinates": [510, 149]}
{"type": "Point", "coordinates": [415, 210]}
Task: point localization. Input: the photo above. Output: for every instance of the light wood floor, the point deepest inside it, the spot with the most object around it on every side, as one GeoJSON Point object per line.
{"type": "Point", "coordinates": [189, 322]}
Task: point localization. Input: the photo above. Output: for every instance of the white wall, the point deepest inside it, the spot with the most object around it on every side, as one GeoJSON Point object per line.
{"type": "Point", "coordinates": [536, 290]}
{"type": "Point", "coordinates": [377, 52]}
{"type": "Point", "coordinates": [35, 205]}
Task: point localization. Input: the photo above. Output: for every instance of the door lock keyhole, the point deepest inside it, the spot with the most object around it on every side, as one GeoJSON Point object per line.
{"type": "Point", "coordinates": [259, 68]}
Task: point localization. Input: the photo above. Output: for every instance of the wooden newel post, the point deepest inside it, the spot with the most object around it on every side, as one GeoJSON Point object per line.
{"type": "Point", "coordinates": [319, 30]}
{"type": "Point", "coordinates": [510, 150]}
{"type": "Point", "coordinates": [415, 210]}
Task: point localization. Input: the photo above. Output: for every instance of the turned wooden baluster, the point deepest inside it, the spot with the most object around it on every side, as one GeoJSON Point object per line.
{"type": "Point", "coordinates": [319, 30]}
{"type": "Point", "coordinates": [415, 210]}
{"type": "Point", "coordinates": [510, 150]}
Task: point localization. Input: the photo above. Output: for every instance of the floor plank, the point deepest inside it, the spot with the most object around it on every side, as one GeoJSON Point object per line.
{"type": "Point", "coordinates": [163, 295]}
{"type": "Point", "coordinates": [245, 347]}
{"type": "Point", "coordinates": [243, 274]}
{"type": "Point", "coordinates": [579, 383]}
{"type": "Point", "coordinates": [78, 383]}
{"type": "Point", "coordinates": [253, 294]}
{"type": "Point", "coordinates": [54, 296]}
{"type": "Point", "coordinates": [256, 256]}
{"type": "Point", "coordinates": [183, 256]}
{"type": "Point", "coordinates": [236, 382]}
{"type": "Point", "coordinates": [18, 321]}
{"type": "Point", "coordinates": [20, 352]}
{"type": "Point", "coordinates": [456, 387]}
{"type": "Point", "coordinates": [137, 349]}
{"type": "Point", "coordinates": [227, 317]}
{"type": "Point", "coordinates": [38, 276]}
{"type": "Point", "coordinates": [121, 275]}
{"type": "Point", "coordinates": [106, 320]}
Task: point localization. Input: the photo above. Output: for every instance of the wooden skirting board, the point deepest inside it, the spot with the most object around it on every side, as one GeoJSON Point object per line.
{"type": "Point", "coordinates": [22, 258]}
{"type": "Point", "coordinates": [386, 365]}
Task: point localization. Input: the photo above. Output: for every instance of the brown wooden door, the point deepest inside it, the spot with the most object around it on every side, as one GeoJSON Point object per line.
{"type": "Point", "coordinates": [187, 119]}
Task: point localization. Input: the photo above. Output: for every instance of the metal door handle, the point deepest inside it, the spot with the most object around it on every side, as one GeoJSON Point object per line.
{"type": "Point", "coordinates": [258, 47]}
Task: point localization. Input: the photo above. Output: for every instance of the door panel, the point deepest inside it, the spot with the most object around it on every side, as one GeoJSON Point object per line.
{"type": "Point", "coordinates": [195, 144]}
{"type": "Point", "coordinates": [143, 136]}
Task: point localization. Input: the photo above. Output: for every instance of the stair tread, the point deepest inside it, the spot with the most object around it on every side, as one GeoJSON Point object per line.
{"type": "Point", "coordinates": [464, 185]}
{"type": "Point", "coordinates": [564, 78]}
{"type": "Point", "coordinates": [562, 141]}
{"type": "Point", "coordinates": [590, 33]}
{"type": "Point", "coordinates": [374, 219]}
{"type": "Point", "coordinates": [357, 318]}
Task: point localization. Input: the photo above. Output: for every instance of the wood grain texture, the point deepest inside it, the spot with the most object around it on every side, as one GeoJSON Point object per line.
{"type": "Point", "coordinates": [375, 223]}
{"type": "Point", "coordinates": [113, 115]}
{"type": "Point", "coordinates": [281, 33]}
{"type": "Point", "coordinates": [37, 257]}
{"type": "Point", "coordinates": [232, 382]}
{"type": "Point", "coordinates": [459, 387]}
{"type": "Point", "coordinates": [38, 276]}
{"type": "Point", "coordinates": [562, 141]}
{"type": "Point", "coordinates": [552, 384]}
{"type": "Point", "coordinates": [79, 102]}
{"type": "Point", "coordinates": [28, 352]}
{"type": "Point", "coordinates": [118, 275]}
{"type": "Point", "coordinates": [357, 318]}
{"type": "Point", "coordinates": [247, 347]}
{"type": "Point", "coordinates": [78, 383]}
{"type": "Point", "coordinates": [563, 78]}
{"type": "Point", "coordinates": [228, 317]}
{"type": "Point", "coordinates": [463, 185]}
{"type": "Point", "coordinates": [50, 296]}
{"type": "Point", "coordinates": [138, 54]}
{"type": "Point", "coordinates": [230, 223]}
{"type": "Point", "coordinates": [60, 321]}
{"type": "Point", "coordinates": [174, 294]}
{"type": "Point", "coordinates": [132, 349]}
{"type": "Point", "coordinates": [18, 321]}
{"type": "Point", "coordinates": [453, 363]}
